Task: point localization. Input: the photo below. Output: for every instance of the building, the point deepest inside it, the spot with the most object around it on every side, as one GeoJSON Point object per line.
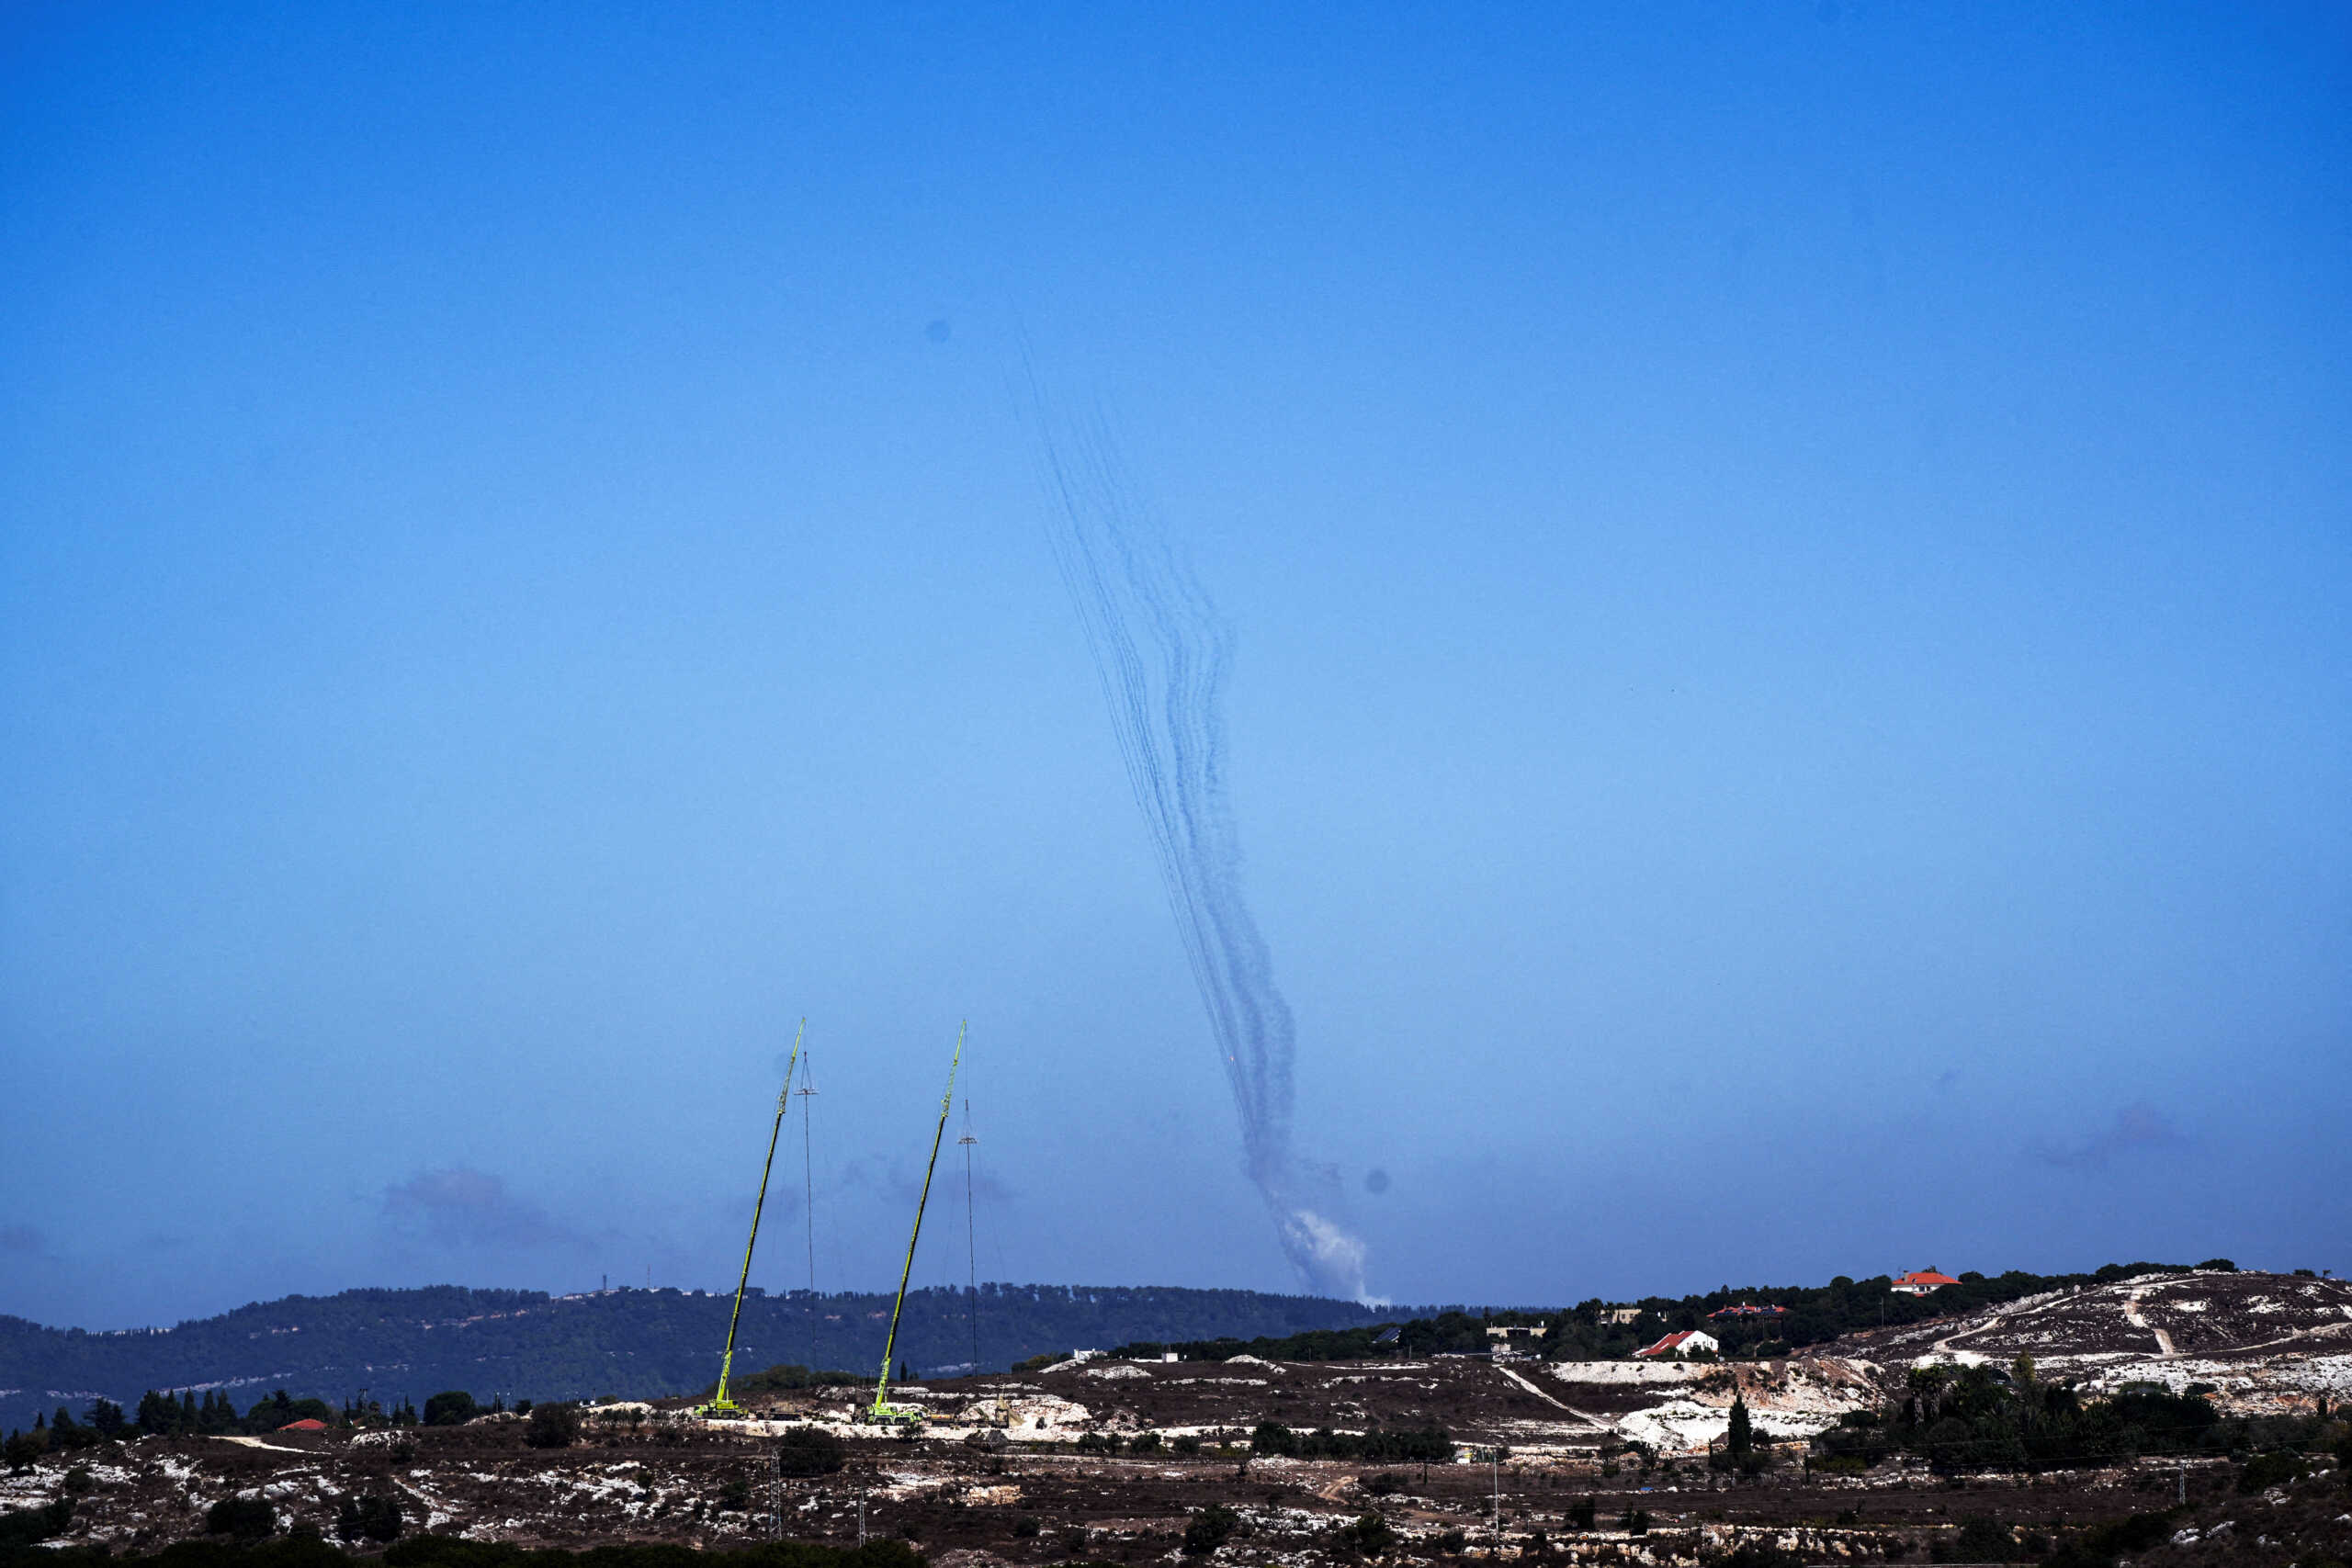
{"type": "Point", "coordinates": [1749, 1309]}
{"type": "Point", "coordinates": [1620, 1314]}
{"type": "Point", "coordinates": [1685, 1342]}
{"type": "Point", "coordinates": [1924, 1281]}
{"type": "Point", "coordinates": [1500, 1336]}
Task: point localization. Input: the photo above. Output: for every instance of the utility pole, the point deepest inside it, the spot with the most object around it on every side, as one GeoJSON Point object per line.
{"type": "Point", "coordinates": [775, 1492]}
{"type": "Point", "coordinates": [809, 1181]}
{"type": "Point", "coordinates": [971, 1240]}
{"type": "Point", "coordinates": [1496, 1455]}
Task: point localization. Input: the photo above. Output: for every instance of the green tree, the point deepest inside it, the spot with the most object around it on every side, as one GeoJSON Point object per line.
{"type": "Point", "coordinates": [1370, 1536]}
{"type": "Point", "coordinates": [158, 1414]}
{"type": "Point", "coordinates": [555, 1427]}
{"type": "Point", "coordinates": [1980, 1540]}
{"type": "Point", "coordinates": [454, 1407]}
{"type": "Point", "coordinates": [24, 1448]}
{"type": "Point", "coordinates": [246, 1518]}
{"type": "Point", "coordinates": [2273, 1468]}
{"type": "Point", "coordinates": [25, 1527]}
{"type": "Point", "coordinates": [1741, 1443]}
{"type": "Point", "coordinates": [810, 1450]}
{"type": "Point", "coordinates": [379, 1516]}
{"type": "Point", "coordinates": [1209, 1529]}
{"type": "Point", "coordinates": [269, 1414]}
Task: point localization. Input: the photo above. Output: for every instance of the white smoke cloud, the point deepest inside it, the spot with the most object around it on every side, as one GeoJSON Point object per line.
{"type": "Point", "coordinates": [1161, 650]}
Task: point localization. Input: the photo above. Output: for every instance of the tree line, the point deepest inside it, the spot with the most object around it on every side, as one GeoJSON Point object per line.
{"type": "Point", "coordinates": [1986, 1417]}
{"type": "Point", "coordinates": [1792, 1316]}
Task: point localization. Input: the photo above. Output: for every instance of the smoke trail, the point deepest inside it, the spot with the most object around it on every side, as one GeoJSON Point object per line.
{"type": "Point", "coordinates": [1161, 650]}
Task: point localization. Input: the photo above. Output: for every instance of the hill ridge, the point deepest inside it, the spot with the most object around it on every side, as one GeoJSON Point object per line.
{"type": "Point", "coordinates": [416, 1340]}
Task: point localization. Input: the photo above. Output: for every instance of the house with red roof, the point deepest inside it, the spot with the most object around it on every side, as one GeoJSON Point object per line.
{"type": "Point", "coordinates": [1749, 1309]}
{"type": "Point", "coordinates": [307, 1424]}
{"type": "Point", "coordinates": [1921, 1283]}
{"type": "Point", "coordinates": [1685, 1342]}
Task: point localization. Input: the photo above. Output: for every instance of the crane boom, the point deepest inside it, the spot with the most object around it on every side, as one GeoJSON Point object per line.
{"type": "Point", "coordinates": [883, 1410]}
{"type": "Point", "coordinates": [722, 1406]}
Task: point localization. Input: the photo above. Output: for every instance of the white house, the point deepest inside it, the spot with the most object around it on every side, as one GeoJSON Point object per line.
{"type": "Point", "coordinates": [1687, 1342]}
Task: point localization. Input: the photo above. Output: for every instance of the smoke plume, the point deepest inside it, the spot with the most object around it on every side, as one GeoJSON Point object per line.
{"type": "Point", "coordinates": [1161, 650]}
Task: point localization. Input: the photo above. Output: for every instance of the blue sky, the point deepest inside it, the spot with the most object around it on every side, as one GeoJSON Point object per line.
{"type": "Point", "coordinates": [1789, 564]}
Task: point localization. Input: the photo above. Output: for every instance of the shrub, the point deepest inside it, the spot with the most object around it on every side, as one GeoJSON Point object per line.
{"type": "Point", "coordinates": [376, 1518]}
{"type": "Point", "coordinates": [2273, 1468]}
{"type": "Point", "coordinates": [1979, 1539]}
{"type": "Point", "coordinates": [552, 1426]}
{"type": "Point", "coordinates": [24, 1448]}
{"type": "Point", "coordinates": [1370, 1536]}
{"type": "Point", "coordinates": [1384, 1484]}
{"type": "Point", "coordinates": [1026, 1528]}
{"type": "Point", "coordinates": [1582, 1512]}
{"type": "Point", "coordinates": [1430, 1446]}
{"type": "Point", "coordinates": [1761, 1554]}
{"type": "Point", "coordinates": [247, 1518]}
{"type": "Point", "coordinates": [1185, 1445]}
{"type": "Point", "coordinates": [1145, 1443]}
{"type": "Point", "coordinates": [1209, 1529]}
{"type": "Point", "coordinates": [1452, 1542]}
{"type": "Point", "coordinates": [735, 1496]}
{"type": "Point", "coordinates": [77, 1480]}
{"type": "Point", "coordinates": [2098, 1547]}
{"type": "Point", "coordinates": [810, 1450]}
{"type": "Point", "coordinates": [24, 1527]}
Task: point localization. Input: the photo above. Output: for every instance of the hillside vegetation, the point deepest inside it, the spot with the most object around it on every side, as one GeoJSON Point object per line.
{"type": "Point", "coordinates": [525, 1344]}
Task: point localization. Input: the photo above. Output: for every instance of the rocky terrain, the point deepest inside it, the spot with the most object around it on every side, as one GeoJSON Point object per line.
{"type": "Point", "coordinates": [2264, 1343]}
{"type": "Point", "coordinates": [1024, 1469]}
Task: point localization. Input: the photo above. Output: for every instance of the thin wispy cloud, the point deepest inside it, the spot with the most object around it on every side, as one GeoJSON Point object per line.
{"type": "Point", "coordinates": [2137, 1128]}
{"type": "Point", "coordinates": [459, 1207]}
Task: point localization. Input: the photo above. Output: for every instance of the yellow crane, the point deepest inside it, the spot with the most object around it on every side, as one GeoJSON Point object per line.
{"type": "Point", "coordinates": [883, 1410]}
{"type": "Point", "coordinates": [722, 1406]}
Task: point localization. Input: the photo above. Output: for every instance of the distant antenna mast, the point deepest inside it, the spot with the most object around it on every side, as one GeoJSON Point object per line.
{"type": "Point", "coordinates": [971, 1244]}
{"type": "Point", "coordinates": [808, 1167]}
{"type": "Point", "coordinates": [883, 1410]}
{"type": "Point", "coordinates": [722, 1406]}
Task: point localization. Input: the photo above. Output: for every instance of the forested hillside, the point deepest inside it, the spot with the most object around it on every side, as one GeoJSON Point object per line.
{"type": "Point", "coordinates": [528, 1345]}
